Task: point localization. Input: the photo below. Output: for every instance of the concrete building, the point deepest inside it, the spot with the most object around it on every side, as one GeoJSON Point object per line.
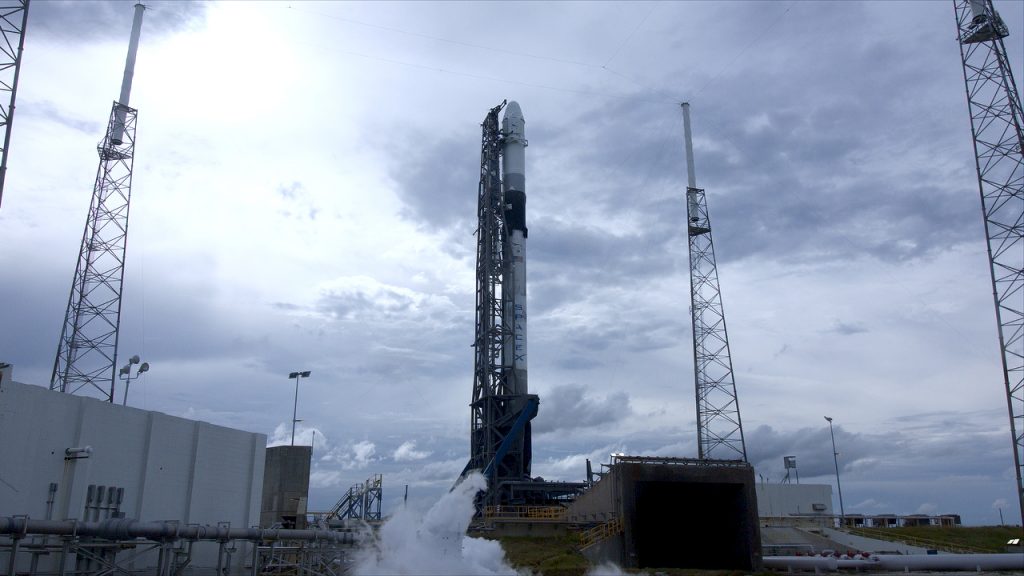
{"type": "Point", "coordinates": [673, 513]}
{"type": "Point", "coordinates": [793, 500]}
{"type": "Point", "coordinates": [64, 456]}
{"type": "Point", "coordinates": [286, 486]}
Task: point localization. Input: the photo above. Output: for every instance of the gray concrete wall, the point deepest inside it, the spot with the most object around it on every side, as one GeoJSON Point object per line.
{"type": "Point", "coordinates": [169, 468]}
{"type": "Point", "coordinates": [597, 504]}
{"type": "Point", "coordinates": [286, 486]}
{"type": "Point", "coordinates": [774, 500]}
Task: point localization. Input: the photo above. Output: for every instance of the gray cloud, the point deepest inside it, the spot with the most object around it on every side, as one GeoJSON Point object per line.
{"type": "Point", "coordinates": [75, 21]}
{"type": "Point", "coordinates": [567, 406]}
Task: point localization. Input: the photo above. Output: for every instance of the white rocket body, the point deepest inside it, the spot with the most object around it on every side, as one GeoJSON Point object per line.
{"type": "Point", "coordinates": [514, 188]}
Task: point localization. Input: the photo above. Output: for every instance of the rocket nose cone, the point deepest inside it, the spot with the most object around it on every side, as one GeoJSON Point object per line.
{"type": "Point", "coordinates": [512, 110]}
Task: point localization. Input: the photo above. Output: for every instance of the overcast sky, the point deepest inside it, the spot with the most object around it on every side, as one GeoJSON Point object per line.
{"type": "Point", "coordinates": [304, 198]}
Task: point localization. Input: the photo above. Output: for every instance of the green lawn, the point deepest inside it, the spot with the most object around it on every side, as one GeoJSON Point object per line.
{"type": "Point", "coordinates": [970, 538]}
{"type": "Point", "coordinates": [558, 555]}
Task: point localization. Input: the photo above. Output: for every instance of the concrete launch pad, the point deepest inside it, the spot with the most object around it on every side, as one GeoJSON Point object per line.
{"type": "Point", "coordinates": [673, 513]}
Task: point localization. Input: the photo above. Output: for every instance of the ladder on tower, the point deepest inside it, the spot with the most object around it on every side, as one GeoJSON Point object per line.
{"type": "Point", "coordinates": [996, 121]}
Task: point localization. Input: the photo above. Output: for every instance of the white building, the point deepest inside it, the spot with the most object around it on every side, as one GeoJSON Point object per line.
{"type": "Point", "coordinates": [793, 500]}
{"type": "Point", "coordinates": [64, 456]}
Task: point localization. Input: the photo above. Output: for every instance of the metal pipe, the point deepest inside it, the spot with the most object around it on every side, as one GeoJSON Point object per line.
{"type": "Point", "coordinates": [188, 560]}
{"type": "Point", "coordinates": [13, 554]}
{"type": "Point", "coordinates": [906, 563]}
{"type": "Point", "coordinates": [127, 529]}
{"type": "Point", "coordinates": [126, 82]}
{"type": "Point", "coordinates": [691, 175]}
{"type": "Point", "coordinates": [255, 559]}
{"type": "Point", "coordinates": [835, 457]}
{"type": "Point", "coordinates": [220, 557]}
{"type": "Point", "coordinates": [295, 409]}
{"type": "Point", "coordinates": [133, 48]}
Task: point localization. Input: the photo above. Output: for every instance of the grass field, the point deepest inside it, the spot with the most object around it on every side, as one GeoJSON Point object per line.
{"type": "Point", "coordinates": [559, 556]}
{"type": "Point", "coordinates": [958, 539]}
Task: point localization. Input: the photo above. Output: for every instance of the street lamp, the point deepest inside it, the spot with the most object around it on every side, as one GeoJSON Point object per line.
{"type": "Point", "coordinates": [126, 374]}
{"type": "Point", "coordinates": [835, 457]}
{"type": "Point", "coordinates": [295, 408]}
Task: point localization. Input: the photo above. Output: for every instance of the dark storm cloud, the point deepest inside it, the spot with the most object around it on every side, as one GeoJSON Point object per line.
{"type": "Point", "coordinates": [796, 169]}
{"type": "Point", "coordinates": [597, 253]}
{"type": "Point", "coordinates": [31, 321]}
{"type": "Point", "coordinates": [75, 21]}
{"type": "Point", "coordinates": [438, 178]}
{"type": "Point", "coordinates": [569, 407]}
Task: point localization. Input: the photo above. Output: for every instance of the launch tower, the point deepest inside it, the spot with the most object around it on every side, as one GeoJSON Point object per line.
{"type": "Point", "coordinates": [502, 407]}
{"type": "Point", "coordinates": [87, 352]}
{"type": "Point", "coordinates": [996, 121]}
{"type": "Point", "coordinates": [719, 429]}
{"type": "Point", "coordinates": [13, 19]}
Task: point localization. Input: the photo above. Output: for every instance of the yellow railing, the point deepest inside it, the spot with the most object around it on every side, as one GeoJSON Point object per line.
{"type": "Point", "coordinates": [600, 532]}
{"type": "Point", "coordinates": [548, 513]}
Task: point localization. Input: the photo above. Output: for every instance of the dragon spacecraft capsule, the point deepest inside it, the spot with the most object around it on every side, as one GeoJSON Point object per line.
{"type": "Point", "coordinates": [514, 188]}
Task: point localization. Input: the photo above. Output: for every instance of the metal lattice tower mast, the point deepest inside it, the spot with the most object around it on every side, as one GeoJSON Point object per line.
{"type": "Point", "coordinates": [719, 429]}
{"type": "Point", "coordinates": [490, 386]}
{"type": "Point", "coordinates": [13, 19]}
{"type": "Point", "coordinates": [87, 352]}
{"type": "Point", "coordinates": [996, 120]}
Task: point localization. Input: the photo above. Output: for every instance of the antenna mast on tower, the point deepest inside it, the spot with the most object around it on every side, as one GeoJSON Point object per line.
{"type": "Point", "coordinates": [719, 429]}
{"type": "Point", "coordinates": [87, 351]}
{"type": "Point", "coordinates": [996, 120]}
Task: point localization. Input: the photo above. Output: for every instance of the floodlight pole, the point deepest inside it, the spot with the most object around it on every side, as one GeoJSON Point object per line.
{"type": "Point", "coordinates": [126, 374]}
{"type": "Point", "coordinates": [295, 407]}
{"type": "Point", "coordinates": [835, 457]}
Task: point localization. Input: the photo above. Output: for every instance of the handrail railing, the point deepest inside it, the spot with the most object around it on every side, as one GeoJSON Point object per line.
{"type": "Point", "coordinates": [600, 532]}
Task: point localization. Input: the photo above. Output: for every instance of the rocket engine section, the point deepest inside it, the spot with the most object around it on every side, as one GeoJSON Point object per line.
{"type": "Point", "coordinates": [514, 188]}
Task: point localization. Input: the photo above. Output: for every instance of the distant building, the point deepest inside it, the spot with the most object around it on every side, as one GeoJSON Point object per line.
{"type": "Point", "coordinates": [793, 500]}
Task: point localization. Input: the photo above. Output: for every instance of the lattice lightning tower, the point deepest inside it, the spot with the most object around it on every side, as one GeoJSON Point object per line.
{"type": "Point", "coordinates": [13, 18]}
{"type": "Point", "coordinates": [719, 429]}
{"type": "Point", "coordinates": [87, 352]}
{"type": "Point", "coordinates": [996, 121]}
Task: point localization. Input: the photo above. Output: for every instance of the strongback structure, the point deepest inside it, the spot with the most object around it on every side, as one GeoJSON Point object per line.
{"type": "Point", "coordinates": [996, 121]}
{"type": "Point", "coordinates": [501, 408]}
{"type": "Point", "coordinates": [719, 429]}
{"type": "Point", "coordinates": [13, 18]}
{"type": "Point", "coordinates": [87, 351]}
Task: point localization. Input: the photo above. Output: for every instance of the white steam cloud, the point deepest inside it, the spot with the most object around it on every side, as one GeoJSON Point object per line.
{"type": "Point", "coordinates": [435, 543]}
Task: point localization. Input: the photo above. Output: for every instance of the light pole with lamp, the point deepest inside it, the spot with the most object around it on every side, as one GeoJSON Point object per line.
{"type": "Point", "coordinates": [835, 457]}
{"type": "Point", "coordinates": [295, 408]}
{"type": "Point", "coordinates": [126, 374]}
